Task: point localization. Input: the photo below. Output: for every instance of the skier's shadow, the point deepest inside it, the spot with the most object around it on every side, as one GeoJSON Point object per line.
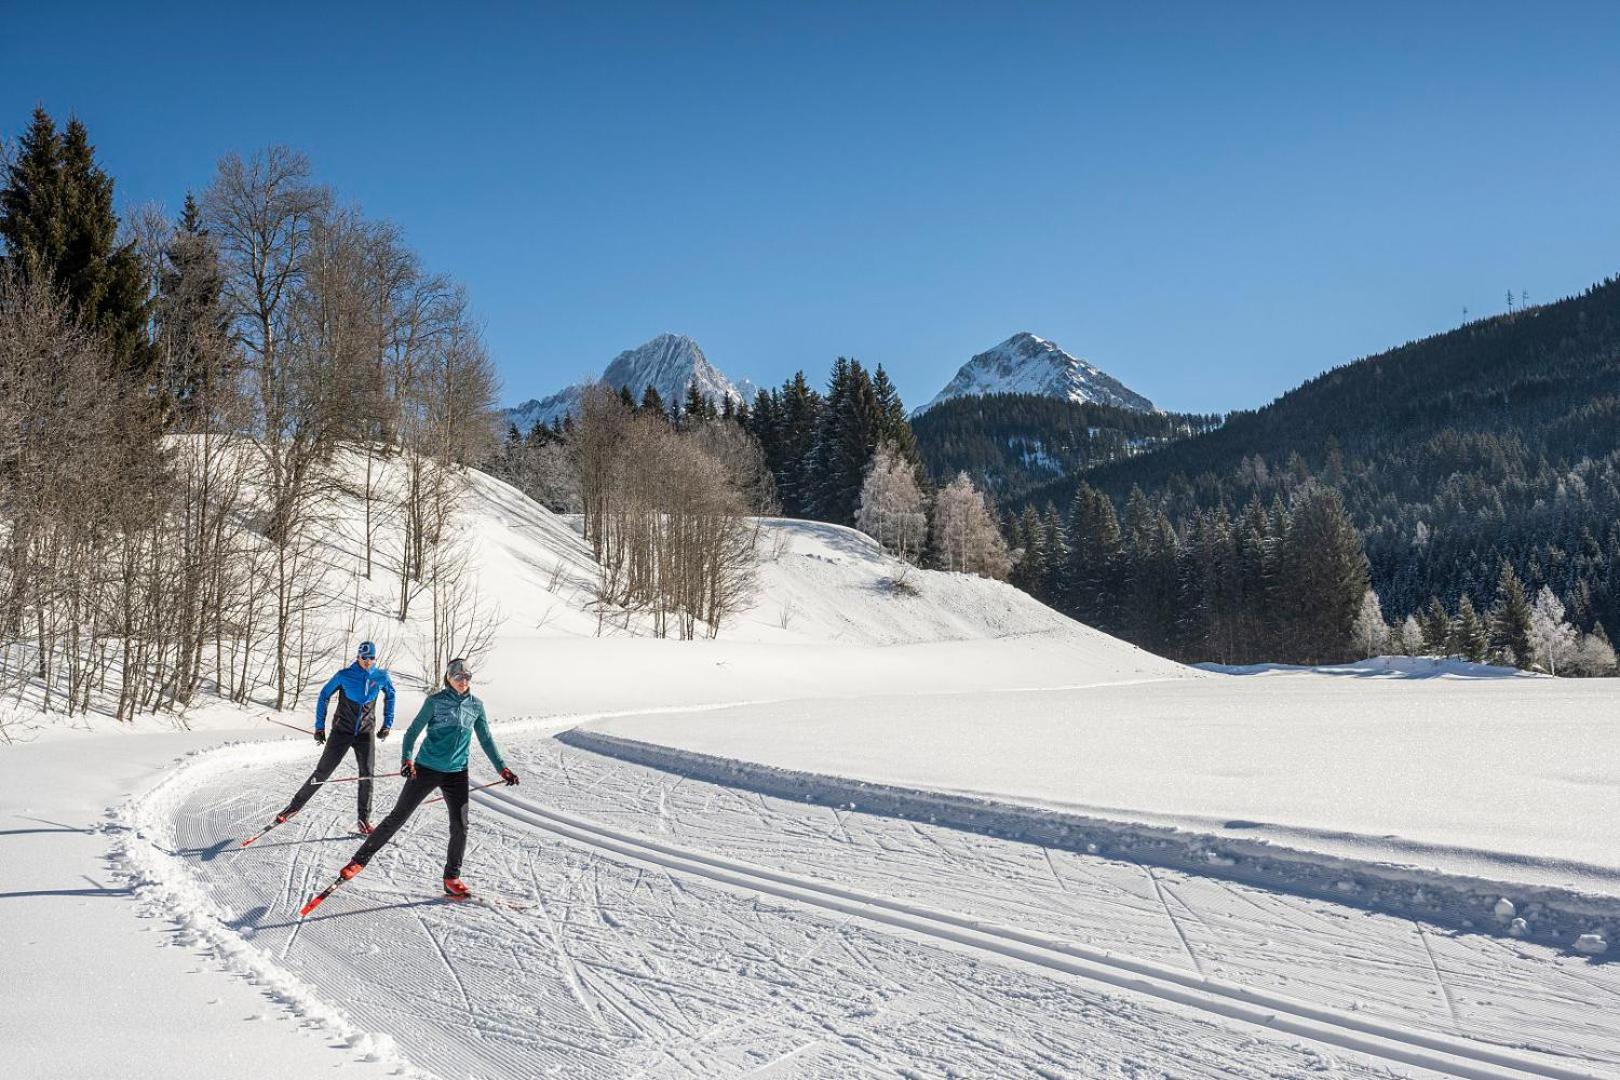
{"type": "Point", "coordinates": [259, 912]}
{"type": "Point", "coordinates": [249, 920]}
{"type": "Point", "coordinates": [203, 854]}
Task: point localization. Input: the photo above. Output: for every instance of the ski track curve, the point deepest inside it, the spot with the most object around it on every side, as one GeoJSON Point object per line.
{"type": "Point", "coordinates": [763, 945]}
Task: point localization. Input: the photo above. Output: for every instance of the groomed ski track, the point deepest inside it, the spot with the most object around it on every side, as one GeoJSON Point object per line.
{"type": "Point", "coordinates": [1459, 1057]}
{"type": "Point", "coordinates": [679, 928]}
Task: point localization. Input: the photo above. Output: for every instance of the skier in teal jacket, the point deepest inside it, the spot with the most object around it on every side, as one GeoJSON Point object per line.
{"type": "Point", "coordinates": [450, 717]}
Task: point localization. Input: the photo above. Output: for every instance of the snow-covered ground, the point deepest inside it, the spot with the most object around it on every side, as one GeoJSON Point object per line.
{"type": "Point", "coordinates": [1515, 780]}
{"type": "Point", "coordinates": [701, 910]}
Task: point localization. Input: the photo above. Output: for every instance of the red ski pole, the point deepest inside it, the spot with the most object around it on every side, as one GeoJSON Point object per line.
{"type": "Point", "coordinates": [289, 727]}
{"type": "Point", "coordinates": [351, 779]}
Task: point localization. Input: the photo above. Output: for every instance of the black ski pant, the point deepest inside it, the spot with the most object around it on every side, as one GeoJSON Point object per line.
{"type": "Point", "coordinates": [338, 744]}
{"type": "Point", "coordinates": [424, 783]}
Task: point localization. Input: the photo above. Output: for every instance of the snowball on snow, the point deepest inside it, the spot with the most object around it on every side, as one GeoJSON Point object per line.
{"type": "Point", "coordinates": [1518, 928]}
{"type": "Point", "coordinates": [1505, 910]}
{"type": "Point", "coordinates": [1591, 944]}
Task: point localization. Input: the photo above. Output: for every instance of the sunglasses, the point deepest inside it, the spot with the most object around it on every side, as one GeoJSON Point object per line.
{"type": "Point", "coordinates": [464, 677]}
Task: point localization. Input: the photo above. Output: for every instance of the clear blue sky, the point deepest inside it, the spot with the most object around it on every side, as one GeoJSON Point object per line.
{"type": "Point", "coordinates": [1210, 201]}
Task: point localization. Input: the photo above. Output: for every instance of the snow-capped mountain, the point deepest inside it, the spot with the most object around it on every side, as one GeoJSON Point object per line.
{"type": "Point", "coordinates": [670, 363]}
{"type": "Point", "coordinates": [1026, 364]}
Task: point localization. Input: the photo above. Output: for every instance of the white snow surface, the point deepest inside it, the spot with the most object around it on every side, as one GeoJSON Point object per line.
{"type": "Point", "coordinates": [1026, 364]}
{"type": "Point", "coordinates": [651, 921]}
{"type": "Point", "coordinates": [670, 363]}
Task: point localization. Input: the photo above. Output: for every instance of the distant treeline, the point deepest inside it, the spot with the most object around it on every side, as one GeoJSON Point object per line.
{"type": "Point", "coordinates": [1014, 443]}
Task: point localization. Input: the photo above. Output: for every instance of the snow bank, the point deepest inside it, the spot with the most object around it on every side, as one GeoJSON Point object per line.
{"type": "Point", "coordinates": [1385, 667]}
{"type": "Point", "coordinates": [1551, 914]}
{"type": "Point", "coordinates": [165, 889]}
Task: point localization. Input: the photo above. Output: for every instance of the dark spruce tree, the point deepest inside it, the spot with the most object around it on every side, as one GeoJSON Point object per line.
{"type": "Point", "coordinates": [785, 424]}
{"type": "Point", "coordinates": [652, 402]}
{"type": "Point", "coordinates": [1470, 637]}
{"type": "Point", "coordinates": [1095, 561]}
{"type": "Point", "coordinates": [58, 223]}
{"type": "Point", "coordinates": [1324, 576]}
{"type": "Point", "coordinates": [846, 437]}
{"type": "Point", "coordinates": [194, 362]}
{"type": "Point", "coordinates": [1510, 618]}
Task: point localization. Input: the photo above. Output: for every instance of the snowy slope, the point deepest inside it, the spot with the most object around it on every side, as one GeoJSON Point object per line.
{"type": "Point", "coordinates": [845, 942]}
{"type": "Point", "coordinates": [1026, 364]}
{"type": "Point", "coordinates": [670, 363]}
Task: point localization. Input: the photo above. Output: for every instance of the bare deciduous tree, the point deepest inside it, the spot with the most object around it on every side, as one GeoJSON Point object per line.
{"type": "Point", "coordinates": [965, 536]}
{"type": "Point", "coordinates": [892, 510]}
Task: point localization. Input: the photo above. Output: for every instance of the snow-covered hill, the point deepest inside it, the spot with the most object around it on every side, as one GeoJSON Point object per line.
{"type": "Point", "coordinates": [1026, 364]}
{"type": "Point", "coordinates": [917, 810]}
{"type": "Point", "coordinates": [670, 363]}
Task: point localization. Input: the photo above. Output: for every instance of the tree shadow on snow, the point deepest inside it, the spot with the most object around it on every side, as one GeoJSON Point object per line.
{"type": "Point", "coordinates": [56, 827]}
{"type": "Point", "coordinates": [96, 889]}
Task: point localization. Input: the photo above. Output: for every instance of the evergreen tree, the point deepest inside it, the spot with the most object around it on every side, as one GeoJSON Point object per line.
{"type": "Point", "coordinates": [194, 360]}
{"type": "Point", "coordinates": [1325, 575]}
{"type": "Point", "coordinates": [797, 419]}
{"type": "Point", "coordinates": [893, 425]}
{"type": "Point", "coordinates": [696, 410]}
{"type": "Point", "coordinates": [1030, 568]}
{"type": "Point", "coordinates": [1510, 619]}
{"type": "Point", "coordinates": [1470, 636]}
{"type": "Point", "coordinates": [652, 402]}
{"type": "Point", "coordinates": [34, 202]}
{"type": "Point", "coordinates": [58, 222]}
{"type": "Point", "coordinates": [1151, 582]}
{"type": "Point", "coordinates": [846, 438]}
{"type": "Point", "coordinates": [1095, 553]}
{"type": "Point", "coordinates": [1056, 546]}
{"type": "Point", "coordinates": [1436, 629]}
{"type": "Point", "coordinates": [1258, 558]}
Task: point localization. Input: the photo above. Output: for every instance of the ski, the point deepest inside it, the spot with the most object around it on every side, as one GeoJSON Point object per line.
{"type": "Point", "coordinates": [315, 901]}
{"type": "Point", "coordinates": [262, 831]}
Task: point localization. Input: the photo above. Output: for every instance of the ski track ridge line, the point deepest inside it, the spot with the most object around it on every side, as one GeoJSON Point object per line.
{"type": "Point", "coordinates": [1451, 1055]}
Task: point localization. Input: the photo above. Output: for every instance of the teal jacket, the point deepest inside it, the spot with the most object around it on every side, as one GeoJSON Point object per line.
{"type": "Point", "coordinates": [450, 719]}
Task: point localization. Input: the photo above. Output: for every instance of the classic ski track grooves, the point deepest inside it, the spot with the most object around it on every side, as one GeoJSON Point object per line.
{"type": "Point", "coordinates": [1365, 1035]}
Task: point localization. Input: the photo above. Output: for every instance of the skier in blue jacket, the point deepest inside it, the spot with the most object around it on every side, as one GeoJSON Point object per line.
{"type": "Point", "coordinates": [357, 687]}
{"type": "Point", "coordinates": [449, 718]}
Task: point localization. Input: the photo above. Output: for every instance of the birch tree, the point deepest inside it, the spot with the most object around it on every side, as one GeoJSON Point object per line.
{"type": "Point", "coordinates": [1552, 640]}
{"type": "Point", "coordinates": [965, 537]}
{"type": "Point", "coordinates": [892, 510]}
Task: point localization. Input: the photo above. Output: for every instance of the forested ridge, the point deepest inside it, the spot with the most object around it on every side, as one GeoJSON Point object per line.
{"type": "Point", "coordinates": [1014, 443]}
{"type": "Point", "coordinates": [1494, 444]}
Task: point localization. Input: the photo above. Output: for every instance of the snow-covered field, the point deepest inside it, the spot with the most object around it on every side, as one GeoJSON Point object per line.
{"type": "Point", "coordinates": [1104, 889]}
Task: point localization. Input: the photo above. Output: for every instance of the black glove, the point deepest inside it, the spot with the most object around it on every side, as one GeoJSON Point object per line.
{"type": "Point", "coordinates": [510, 777]}
{"type": "Point", "coordinates": [382, 733]}
{"type": "Point", "coordinates": [320, 734]}
{"type": "Point", "coordinates": [408, 770]}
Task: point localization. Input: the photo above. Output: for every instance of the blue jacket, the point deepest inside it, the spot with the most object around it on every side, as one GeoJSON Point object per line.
{"type": "Point", "coordinates": [357, 704]}
{"type": "Point", "coordinates": [450, 720]}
